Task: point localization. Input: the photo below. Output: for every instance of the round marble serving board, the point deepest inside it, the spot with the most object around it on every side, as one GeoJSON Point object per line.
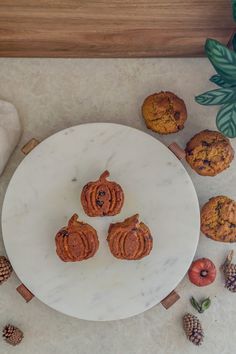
{"type": "Point", "coordinates": [45, 191]}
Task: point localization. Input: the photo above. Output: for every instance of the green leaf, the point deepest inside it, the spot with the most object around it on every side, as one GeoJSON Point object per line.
{"type": "Point", "coordinates": [234, 42]}
{"type": "Point", "coordinates": [234, 9]}
{"type": "Point", "coordinates": [195, 304]}
{"type": "Point", "coordinates": [217, 97]}
{"type": "Point", "coordinates": [205, 304]}
{"type": "Point", "coordinates": [217, 79]}
{"type": "Point", "coordinates": [223, 59]}
{"type": "Point", "coordinates": [226, 120]}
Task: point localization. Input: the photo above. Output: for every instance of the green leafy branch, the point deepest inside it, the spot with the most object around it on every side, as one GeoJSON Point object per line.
{"type": "Point", "coordinates": [224, 61]}
{"type": "Point", "coordinates": [234, 9]}
{"type": "Point", "coordinates": [200, 306]}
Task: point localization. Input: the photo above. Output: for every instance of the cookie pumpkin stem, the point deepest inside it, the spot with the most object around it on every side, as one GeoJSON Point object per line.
{"type": "Point", "coordinates": [73, 219]}
{"type": "Point", "coordinates": [104, 175]}
{"type": "Point", "coordinates": [228, 259]}
{"type": "Point", "coordinates": [133, 220]}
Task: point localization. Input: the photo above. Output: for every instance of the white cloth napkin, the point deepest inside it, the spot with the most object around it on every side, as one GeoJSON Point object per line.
{"type": "Point", "coordinates": [10, 131]}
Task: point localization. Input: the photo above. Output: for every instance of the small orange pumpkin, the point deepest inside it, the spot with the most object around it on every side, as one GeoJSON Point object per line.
{"type": "Point", "coordinates": [102, 197]}
{"type": "Point", "coordinates": [202, 272]}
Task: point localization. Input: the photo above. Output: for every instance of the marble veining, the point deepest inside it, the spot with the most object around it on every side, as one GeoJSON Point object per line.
{"type": "Point", "coordinates": [41, 197]}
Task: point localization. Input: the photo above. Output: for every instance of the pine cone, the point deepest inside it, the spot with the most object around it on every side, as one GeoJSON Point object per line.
{"type": "Point", "coordinates": [193, 329]}
{"type": "Point", "coordinates": [230, 284]}
{"type": "Point", "coordinates": [229, 270]}
{"type": "Point", "coordinates": [12, 334]}
{"type": "Point", "coordinates": [5, 269]}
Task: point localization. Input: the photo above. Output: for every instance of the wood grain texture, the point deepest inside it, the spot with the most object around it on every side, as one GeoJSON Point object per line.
{"type": "Point", "coordinates": [25, 293]}
{"type": "Point", "coordinates": [29, 146]}
{"type": "Point", "coordinates": [177, 150]}
{"type": "Point", "coordinates": [170, 300]}
{"type": "Point", "coordinates": [111, 28]}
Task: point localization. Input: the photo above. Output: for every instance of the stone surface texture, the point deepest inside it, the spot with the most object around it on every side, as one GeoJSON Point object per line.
{"type": "Point", "coordinates": [51, 95]}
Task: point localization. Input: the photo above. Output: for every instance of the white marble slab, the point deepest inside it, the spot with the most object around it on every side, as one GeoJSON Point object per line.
{"type": "Point", "coordinates": [45, 191]}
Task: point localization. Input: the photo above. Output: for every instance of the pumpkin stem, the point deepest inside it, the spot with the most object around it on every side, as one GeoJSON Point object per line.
{"type": "Point", "coordinates": [73, 219]}
{"type": "Point", "coordinates": [204, 273]}
{"type": "Point", "coordinates": [228, 259]}
{"type": "Point", "coordinates": [104, 175]}
{"type": "Point", "coordinates": [133, 221]}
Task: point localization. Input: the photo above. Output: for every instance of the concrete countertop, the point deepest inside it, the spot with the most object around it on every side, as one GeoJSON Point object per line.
{"type": "Point", "coordinates": [52, 94]}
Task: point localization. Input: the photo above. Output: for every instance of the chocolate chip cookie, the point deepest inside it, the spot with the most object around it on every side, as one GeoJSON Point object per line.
{"type": "Point", "coordinates": [164, 112]}
{"type": "Point", "coordinates": [209, 153]}
{"type": "Point", "coordinates": [218, 219]}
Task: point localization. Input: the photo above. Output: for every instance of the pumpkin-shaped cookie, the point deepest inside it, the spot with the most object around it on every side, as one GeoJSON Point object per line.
{"type": "Point", "coordinates": [130, 239]}
{"type": "Point", "coordinates": [77, 241]}
{"type": "Point", "coordinates": [102, 197]}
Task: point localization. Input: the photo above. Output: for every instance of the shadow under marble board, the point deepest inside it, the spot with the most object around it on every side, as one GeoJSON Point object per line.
{"type": "Point", "coordinates": [45, 191]}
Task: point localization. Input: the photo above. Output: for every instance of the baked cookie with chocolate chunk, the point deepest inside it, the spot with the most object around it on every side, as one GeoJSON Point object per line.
{"type": "Point", "coordinates": [130, 239]}
{"type": "Point", "coordinates": [164, 112]}
{"type": "Point", "coordinates": [77, 241]}
{"type": "Point", "coordinates": [218, 219]}
{"type": "Point", "coordinates": [102, 197]}
{"type": "Point", "coordinates": [209, 153]}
